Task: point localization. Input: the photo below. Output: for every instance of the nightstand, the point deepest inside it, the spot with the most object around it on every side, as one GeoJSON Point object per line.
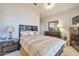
{"type": "Point", "coordinates": [7, 46]}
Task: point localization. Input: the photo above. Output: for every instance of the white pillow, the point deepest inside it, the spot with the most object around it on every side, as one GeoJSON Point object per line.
{"type": "Point", "coordinates": [36, 33]}
{"type": "Point", "coordinates": [31, 33]}
{"type": "Point", "coordinates": [25, 33]}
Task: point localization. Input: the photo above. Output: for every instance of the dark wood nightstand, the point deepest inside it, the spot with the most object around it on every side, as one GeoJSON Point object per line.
{"type": "Point", "coordinates": [7, 46]}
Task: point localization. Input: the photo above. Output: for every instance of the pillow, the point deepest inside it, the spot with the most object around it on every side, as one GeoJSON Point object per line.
{"type": "Point", "coordinates": [25, 33]}
{"type": "Point", "coordinates": [31, 33]}
{"type": "Point", "coordinates": [36, 33]}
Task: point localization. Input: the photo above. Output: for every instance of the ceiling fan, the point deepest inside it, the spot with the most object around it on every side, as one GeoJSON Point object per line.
{"type": "Point", "coordinates": [46, 5]}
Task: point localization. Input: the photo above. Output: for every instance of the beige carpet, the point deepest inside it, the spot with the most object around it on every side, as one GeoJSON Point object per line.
{"type": "Point", "coordinates": [16, 53]}
{"type": "Point", "coordinates": [68, 51]}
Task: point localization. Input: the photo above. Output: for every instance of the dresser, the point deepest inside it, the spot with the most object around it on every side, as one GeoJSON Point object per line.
{"type": "Point", "coordinates": [74, 40]}
{"type": "Point", "coordinates": [53, 34]}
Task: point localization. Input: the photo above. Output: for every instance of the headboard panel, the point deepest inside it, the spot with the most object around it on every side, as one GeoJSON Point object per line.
{"type": "Point", "coordinates": [27, 28]}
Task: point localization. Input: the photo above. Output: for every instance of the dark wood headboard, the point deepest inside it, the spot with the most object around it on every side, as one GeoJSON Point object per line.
{"type": "Point", "coordinates": [27, 28]}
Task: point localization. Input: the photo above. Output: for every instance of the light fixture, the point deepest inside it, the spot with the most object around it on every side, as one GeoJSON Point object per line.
{"type": "Point", "coordinates": [46, 5]}
{"type": "Point", "coordinates": [60, 26]}
{"type": "Point", "coordinates": [49, 5]}
{"type": "Point", "coordinates": [75, 25]}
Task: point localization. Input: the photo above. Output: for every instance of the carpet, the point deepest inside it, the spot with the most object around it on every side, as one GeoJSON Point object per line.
{"type": "Point", "coordinates": [68, 51]}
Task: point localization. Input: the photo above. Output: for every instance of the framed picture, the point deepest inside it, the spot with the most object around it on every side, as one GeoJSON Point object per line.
{"type": "Point", "coordinates": [53, 26]}
{"type": "Point", "coordinates": [75, 20]}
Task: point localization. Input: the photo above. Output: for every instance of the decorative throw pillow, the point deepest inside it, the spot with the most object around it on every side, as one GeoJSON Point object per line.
{"type": "Point", "coordinates": [25, 33]}
{"type": "Point", "coordinates": [31, 33]}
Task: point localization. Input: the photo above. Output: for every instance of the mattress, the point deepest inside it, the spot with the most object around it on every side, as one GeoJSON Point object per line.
{"type": "Point", "coordinates": [41, 45]}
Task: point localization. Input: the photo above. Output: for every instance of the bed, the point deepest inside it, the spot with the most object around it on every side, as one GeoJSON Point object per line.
{"type": "Point", "coordinates": [39, 45]}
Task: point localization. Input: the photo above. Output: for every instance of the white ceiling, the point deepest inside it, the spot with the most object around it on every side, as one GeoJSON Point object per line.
{"type": "Point", "coordinates": [59, 7]}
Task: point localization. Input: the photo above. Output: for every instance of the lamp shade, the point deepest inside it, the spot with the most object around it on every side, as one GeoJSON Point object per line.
{"type": "Point", "coordinates": [10, 29]}
{"type": "Point", "coordinates": [76, 25]}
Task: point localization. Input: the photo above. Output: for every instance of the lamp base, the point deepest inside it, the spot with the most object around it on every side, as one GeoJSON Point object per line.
{"type": "Point", "coordinates": [10, 38]}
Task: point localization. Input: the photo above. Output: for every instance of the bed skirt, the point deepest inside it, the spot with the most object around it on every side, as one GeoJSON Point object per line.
{"type": "Point", "coordinates": [24, 53]}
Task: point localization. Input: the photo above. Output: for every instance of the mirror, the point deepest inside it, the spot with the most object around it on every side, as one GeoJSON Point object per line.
{"type": "Point", "coordinates": [53, 26]}
{"type": "Point", "coordinates": [75, 20]}
{"type": "Point", "coordinates": [75, 24]}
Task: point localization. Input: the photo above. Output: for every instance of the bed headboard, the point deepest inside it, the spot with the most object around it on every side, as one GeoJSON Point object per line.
{"type": "Point", "coordinates": [27, 28]}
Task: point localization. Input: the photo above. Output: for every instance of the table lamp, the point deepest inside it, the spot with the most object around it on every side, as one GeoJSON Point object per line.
{"type": "Point", "coordinates": [10, 29]}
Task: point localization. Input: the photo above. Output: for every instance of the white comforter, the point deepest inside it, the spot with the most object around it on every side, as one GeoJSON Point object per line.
{"type": "Point", "coordinates": [41, 45]}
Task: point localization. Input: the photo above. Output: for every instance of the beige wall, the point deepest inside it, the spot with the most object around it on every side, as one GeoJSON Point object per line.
{"type": "Point", "coordinates": [15, 14]}
{"type": "Point", "coordinates": [64, 18]}
{"type": "Point", "coordinates": [1, 20]}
